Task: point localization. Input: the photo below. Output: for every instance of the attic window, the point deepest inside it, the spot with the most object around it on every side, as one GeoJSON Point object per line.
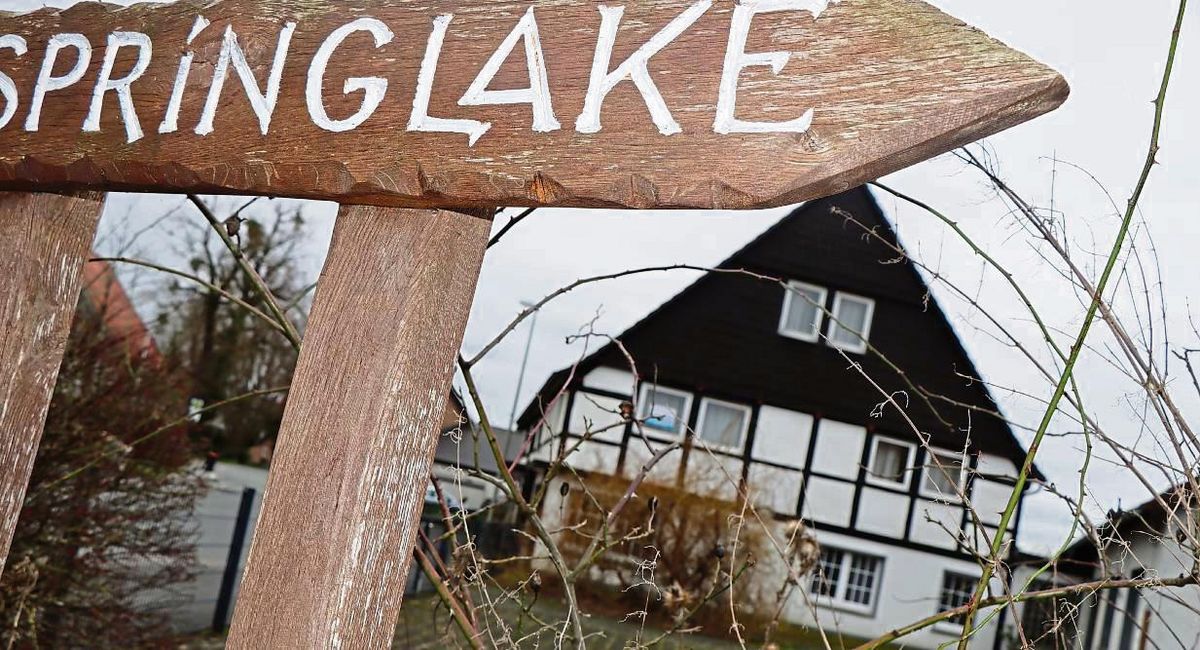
{"type": "Point", "coordinates": [803, 311]}
{"type": "Point", "coordinates": [851, 326]}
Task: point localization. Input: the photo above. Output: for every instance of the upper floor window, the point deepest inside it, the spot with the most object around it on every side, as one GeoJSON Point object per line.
{"type": "Point", "coordinates": [890, 462]}
{"type": "Point", "coordinates": [945, 475]}
{"type": "Point", "coordinates": [803, 311]}
{"type": "Point", "coordinates": [847, 579]}
{"type": "Point", "coordinates": [723, 424]}
{"type": "Point", "coordinates": [664, 409]}
{"type": "Point", "coordinates": [851, 326]}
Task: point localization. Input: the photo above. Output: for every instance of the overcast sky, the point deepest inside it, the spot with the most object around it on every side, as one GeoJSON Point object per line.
{"type": "Point", "coordinates": [1111, 53]}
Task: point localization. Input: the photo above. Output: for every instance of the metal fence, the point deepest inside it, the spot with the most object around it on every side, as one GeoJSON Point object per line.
{"type": "Point", "coordinates": [224, 521]}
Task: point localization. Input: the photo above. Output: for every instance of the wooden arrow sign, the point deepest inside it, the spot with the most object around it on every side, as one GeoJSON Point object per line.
{"type": "Point", "coordinates": [655, 103]}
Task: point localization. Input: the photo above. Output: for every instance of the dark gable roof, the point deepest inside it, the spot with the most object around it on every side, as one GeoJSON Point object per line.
{"type": "Point", "coordinates": [719, 336]}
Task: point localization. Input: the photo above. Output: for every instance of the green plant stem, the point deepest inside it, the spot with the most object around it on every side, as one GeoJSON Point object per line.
{"type": "Point", "coordinates": [1068, 370]}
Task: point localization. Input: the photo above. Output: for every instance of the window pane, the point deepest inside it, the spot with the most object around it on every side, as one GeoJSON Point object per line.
{"type": "Point", "coordinates": [860, 581]}
{"type": "Point", "coordinates": [957, 590]}
{"type": "Point", "coordinates": [829, 569]}
{"type": "Point", "coordinates": [803, 311]}
{"type": "Point", "coordinates": [890, 462]}
{"type": "Point", "coordinates": [945, 480]}
{"type": "Point", "coordinates": [664, 411]}
{"type": "Point", "coordinates": [722, 425]}
{"type": "Point", "coordinates": [851, 322]}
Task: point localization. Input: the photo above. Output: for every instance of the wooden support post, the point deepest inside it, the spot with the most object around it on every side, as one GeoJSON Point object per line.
{"type": "Point", "coordinates": [44, 242]}
{"type": "Point", "coordinates": [329, 558]}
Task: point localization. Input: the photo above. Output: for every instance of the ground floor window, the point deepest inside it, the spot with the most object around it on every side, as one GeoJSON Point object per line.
{"type": "Point", "coordinates": [847, 579]}
{"type": "Point", "coordinates": [957, 589]}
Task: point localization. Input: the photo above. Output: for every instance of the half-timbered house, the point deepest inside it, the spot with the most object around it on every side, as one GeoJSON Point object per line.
{"type": "Point", "coordinates": [837, 393]}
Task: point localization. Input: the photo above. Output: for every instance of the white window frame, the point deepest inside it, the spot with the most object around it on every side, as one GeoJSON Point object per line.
{"type": "Point", "coordinates": [838, 601]}
{"type": "Point", "coordinates": [929, 491]}
{"type": "Point", "coordinates": [860, 347]}
{"type": "Point", "coordinates": [704, 402]}
{"type": "Point", "coordinates": [644, 399]}
{"type": "Point", "coordinates": [949, 626]}
{"type": "Point", "coordinates": [908, 464]}
{"type": "Point", "coordinates": [788, 297]}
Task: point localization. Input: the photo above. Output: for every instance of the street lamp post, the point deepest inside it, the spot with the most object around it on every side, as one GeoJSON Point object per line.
{"type": "Point", "coordinates": [512, 420]}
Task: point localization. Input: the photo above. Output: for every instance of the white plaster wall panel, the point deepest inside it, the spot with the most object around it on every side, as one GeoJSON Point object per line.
{"type": "Point", "coordinates": [545, 445]}
{"type": "Point", "coordinates": [990, 465]}
{"type": "Point", "coordinates": [601, 415]}
{"type": "Point", "coordinates": [990, 499]}
{"type": "Point", "coordinates": [839, 449]}
{"type": "Point", "coordinates": [782, 436]}
{"type": "Point", "coordinates": [1172, 559]}
{"type": "Point", "coordinates": [909, 591]}
{"type": "Point", "coordinates": [930, 522]}
{"type": "Point", "coordinates": [1174, 617]}
{"type": "Point", "coordinates": [611, 380]}
{"type": "Point", "coordinates": [775, 489]}
{"type": "Point", "coordinates": [595, 457]}
{"type": "Point", "coordinates": [664, 471]}
{"type": "Point", "coordinates": [558, 414]}
{"type": "Point", "coordinates": [1177, 613]}
{"type": "Point", "coordinates": [713, 474]}
{"type": "Point", "coordinates": [1143, 553]}
{"type": "Point", "coordinates": [828, 501]}
{"type": "Point", "coordinates": [882, 512]}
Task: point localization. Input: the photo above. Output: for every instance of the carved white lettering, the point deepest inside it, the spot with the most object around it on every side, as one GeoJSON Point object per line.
{"type": "Point", "coordinates": [420, 119]}
{"type": "Point", "coordinates": [47, 82]}
{"type": "Point", "coordinates": [105, 83]}
{"type": "Point", "coordinates": [538, 92]}
{"type": "Point", "coordinates": [635, 67]}
{"type": "Point", "coordinates": [262, 102]}
{"type": "Point", "coordinates": [373, 88]}
{"type": "Point", "coordinates": [170, 123]}
{"type": "Point", "coordinates": [7, 87]}
{"type": "Point", "coordinates": [736, 60]}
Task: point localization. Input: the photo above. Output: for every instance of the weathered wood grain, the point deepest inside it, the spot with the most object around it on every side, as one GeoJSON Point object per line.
{"type": "Point", "coordinates": [330, 555]}
{"type": "Point", "coordinates": [44, 242]}
{"type": "Point", "coordinates": [890, 82]}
